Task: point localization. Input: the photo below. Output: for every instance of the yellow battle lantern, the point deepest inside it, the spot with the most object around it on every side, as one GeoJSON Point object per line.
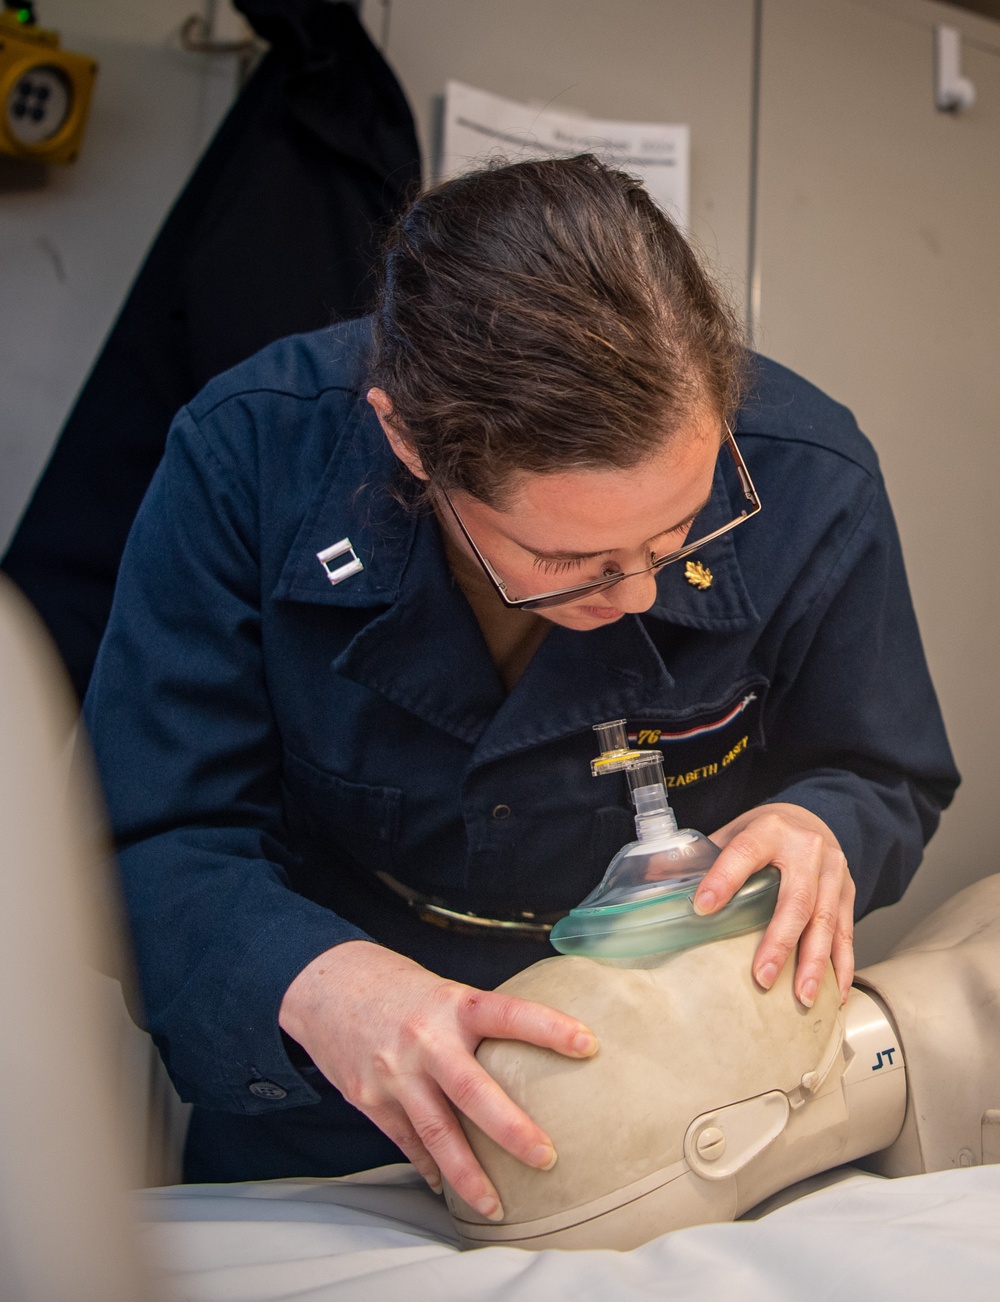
{"type": "Point", "coordinates": [44, 90]}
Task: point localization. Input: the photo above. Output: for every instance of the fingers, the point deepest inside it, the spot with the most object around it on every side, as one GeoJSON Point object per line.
{"type": "Point", "coordinates": [793, 914]}
{"type": "Point", "coordinates": [747, 852]}
{"type": "Point", "coordinates": [399, 1042]}
{"type": "Point", "coordinates": [443, 1071]}
{"type": "Point", "coordinates": [427, 1130]}
{"type": "Point", "coordinates": [815, 907]}
{"type": "Point", "coordinates": [829, 933]}
{"type": "Point", "coordinates": [487, 1015]}
{"type": "Point", "coordinates": [752, 842]}
{"type": "Point", "coordinates": [843, 941]}
{"type": "Point", "coordinates": [420, 1120]}
{"type": "Point", "coordinates": [393, 1121]}
{"type": "Point", "coordinates": [821, 926]}
{"type": "Point", "coordinates": [478, 1096]}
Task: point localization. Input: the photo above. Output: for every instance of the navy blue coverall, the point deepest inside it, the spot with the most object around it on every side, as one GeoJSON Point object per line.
{"type": "Point", "coordinates": [268, 742]}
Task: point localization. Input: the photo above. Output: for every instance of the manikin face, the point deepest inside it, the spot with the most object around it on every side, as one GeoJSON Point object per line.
{"type": "Point", "coordinates": [561, 528]}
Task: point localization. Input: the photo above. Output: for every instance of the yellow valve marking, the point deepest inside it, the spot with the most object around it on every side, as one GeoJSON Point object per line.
{"type": "Point", "coordinates": [615, 757]}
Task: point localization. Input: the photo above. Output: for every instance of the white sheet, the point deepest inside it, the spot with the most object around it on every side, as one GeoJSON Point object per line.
{"type": "Point", "coordinates": [384, 1235]}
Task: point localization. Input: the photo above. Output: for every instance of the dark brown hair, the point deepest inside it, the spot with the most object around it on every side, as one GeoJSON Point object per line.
{"type": "Point", "coordinates": [544, 316]}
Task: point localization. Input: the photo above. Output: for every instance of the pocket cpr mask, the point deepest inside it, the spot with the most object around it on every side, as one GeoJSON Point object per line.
{"type": "Point", "coordinates": [644, 903]}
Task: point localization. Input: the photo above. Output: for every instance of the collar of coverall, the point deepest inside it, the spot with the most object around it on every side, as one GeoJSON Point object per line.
{"type": "Point", "coordinates": [383, 533]}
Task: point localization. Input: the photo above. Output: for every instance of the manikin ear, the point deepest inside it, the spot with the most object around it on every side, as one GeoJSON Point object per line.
{"type": "Point", "coordinates": [382, 405]}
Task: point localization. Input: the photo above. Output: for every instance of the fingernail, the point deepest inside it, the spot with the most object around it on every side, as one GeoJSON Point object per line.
{"type": "Point", "coordinates": [808, 993]}
{"type": "Point", "coordinates": [543, 1156]}
{"type": "Point", "coordinates": [764, 976]}
{"type": "Point", "coordinates": [704, 902]}
{"type": "Point", "coordinates": [490, 1208]}
{"type": "Point", "coordinates": [584, 1044]}
{"type": "Point", "coordinates": [435, 1185]}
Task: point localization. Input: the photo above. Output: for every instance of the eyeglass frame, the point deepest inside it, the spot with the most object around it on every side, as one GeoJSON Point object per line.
{"type": "Point", "coordinates": [560, 596]}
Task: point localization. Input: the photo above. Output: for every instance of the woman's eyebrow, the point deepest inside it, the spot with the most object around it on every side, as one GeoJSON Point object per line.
{"type": "Point", "coordinates": [588, 556]}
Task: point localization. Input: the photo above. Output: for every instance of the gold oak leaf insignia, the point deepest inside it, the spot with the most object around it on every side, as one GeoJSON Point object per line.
{"type": "Point", "coordinates": [698, 575]}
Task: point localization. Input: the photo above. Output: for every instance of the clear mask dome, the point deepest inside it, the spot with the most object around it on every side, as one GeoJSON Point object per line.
{"type": "Point", "coordinates": [643, 904]}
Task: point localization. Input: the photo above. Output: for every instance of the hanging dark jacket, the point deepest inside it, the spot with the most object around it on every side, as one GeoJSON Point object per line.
{"type": "Point", "coordinates": [276, 232]}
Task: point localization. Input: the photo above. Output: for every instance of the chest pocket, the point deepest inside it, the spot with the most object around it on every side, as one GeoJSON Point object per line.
{"type": "Point", "coordinates": [335, 816]}
{"type": "Point", "coordinates": [708, 742]}
{"type": "Point", "coordinates": [706, 751]}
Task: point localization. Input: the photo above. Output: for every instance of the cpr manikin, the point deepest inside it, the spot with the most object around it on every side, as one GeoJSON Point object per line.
{"type": "Point", "coordinates": [708, 1094]}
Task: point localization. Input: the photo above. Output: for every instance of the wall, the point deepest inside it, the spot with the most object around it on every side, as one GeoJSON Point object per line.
{"type": "Point", "coordinates": [71, 239]}
{"type": "Point", "coordinates": [682, 61]}
{"type": "Point", "coordinates": [880, 281]}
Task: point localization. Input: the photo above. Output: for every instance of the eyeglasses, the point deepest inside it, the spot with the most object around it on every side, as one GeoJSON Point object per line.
{"type": "Point", "coordinates": [610, 577]}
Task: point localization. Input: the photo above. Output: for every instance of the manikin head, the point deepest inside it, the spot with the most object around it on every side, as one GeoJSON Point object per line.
{"type": "Point", "coordinates": [709, 1094]}
{"type": "Point", "coordinates": [550, 358]}
{"type": "Point", "coordinates": [681, 1037]}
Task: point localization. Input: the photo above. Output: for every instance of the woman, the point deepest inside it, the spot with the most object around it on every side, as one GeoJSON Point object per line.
{"type": "Point", "coordinates": [347, 755]}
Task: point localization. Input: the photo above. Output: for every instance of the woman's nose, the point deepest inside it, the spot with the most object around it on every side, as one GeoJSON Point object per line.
{"type": "Point", "coordinates": [633, 596]}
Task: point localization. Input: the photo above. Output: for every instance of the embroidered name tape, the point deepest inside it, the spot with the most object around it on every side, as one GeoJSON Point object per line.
{"type": "Point", "coordinates": [705, 747]}
{"type": "Point", "coordinates": [338, 573]}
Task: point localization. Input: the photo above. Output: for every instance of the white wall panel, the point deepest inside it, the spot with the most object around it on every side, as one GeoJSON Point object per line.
{"type": "Point", "coordinates": [650, 60]}
{"type": "Point", "coordinates": [880, 281]}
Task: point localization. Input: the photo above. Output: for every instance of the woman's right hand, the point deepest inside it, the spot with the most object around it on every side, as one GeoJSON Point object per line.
{"type": "Point", "coordinates": [399, 1044]}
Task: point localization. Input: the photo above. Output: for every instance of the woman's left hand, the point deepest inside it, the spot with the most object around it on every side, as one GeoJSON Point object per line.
{"type": "Point", "coordinates": [815, 906]}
